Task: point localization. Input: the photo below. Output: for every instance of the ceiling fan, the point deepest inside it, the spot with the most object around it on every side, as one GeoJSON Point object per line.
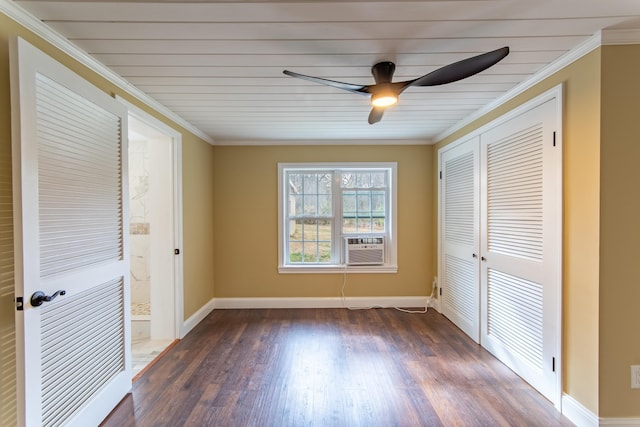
{"type": "Point", "coordinates": [384, 93]}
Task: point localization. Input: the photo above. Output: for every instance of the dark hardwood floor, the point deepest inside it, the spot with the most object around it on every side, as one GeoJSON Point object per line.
{"type": "Point", "coordinates": [330, 367]}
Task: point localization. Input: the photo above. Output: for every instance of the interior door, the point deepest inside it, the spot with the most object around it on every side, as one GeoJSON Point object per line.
{"type": "Point", "coordinates": [521, 185]}
{"type": "Point", "coordinates": [69, 165]}
{"type": "Point", "coordinates": [459, 280]}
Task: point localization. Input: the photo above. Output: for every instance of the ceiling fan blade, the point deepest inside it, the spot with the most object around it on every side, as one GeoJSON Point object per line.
{"type": "Point", "coordinates": [361, 89]}
{"type": "Point", "coordinates": [460, 70]}
{"type": "Point", "coordinates": [375, 115]}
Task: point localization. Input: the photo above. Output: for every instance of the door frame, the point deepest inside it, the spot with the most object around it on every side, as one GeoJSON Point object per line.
{"type": "Point", "coordinates": [176, 192]}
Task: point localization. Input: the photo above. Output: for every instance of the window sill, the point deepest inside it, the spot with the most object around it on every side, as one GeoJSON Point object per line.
{"type": "Point", "coordinates": [332, 269]}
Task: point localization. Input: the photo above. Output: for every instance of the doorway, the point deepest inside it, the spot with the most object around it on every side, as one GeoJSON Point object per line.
{"type": "Point", "coordinates": [155, 233]}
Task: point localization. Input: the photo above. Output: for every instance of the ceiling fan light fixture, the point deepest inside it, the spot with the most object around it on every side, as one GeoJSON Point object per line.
{"type": "Point", "coordinates": [384, 100]}
{"type": "Point", "coordinates": [384, 93]}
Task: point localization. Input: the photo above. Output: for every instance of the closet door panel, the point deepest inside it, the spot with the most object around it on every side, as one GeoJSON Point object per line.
{"type": "Point", "coordinates": [459, 278]}
{"type": "Point", "coordinates": [520, 243]}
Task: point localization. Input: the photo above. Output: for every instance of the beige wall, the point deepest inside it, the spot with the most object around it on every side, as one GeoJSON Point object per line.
{"type": "Point", "coordinates": [620, 230]}
{"type": "Point", "coordinates": [197, 199]}
{"type": "Point", "coordinates": [197, 196]}
{"type": "Point", "coordinates": [581, 219]}
{"type": "Point", "coordinates": [246, 223]}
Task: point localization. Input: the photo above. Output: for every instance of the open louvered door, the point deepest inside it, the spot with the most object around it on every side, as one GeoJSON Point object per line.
{"type": "Point", "coordinates": [521, 185]}
{"type": "Point", "coordinates": [459, 236]}
{"type": "Point", "coordinates": [69, 165]}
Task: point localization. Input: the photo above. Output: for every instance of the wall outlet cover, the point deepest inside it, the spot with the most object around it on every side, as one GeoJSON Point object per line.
{"type": "Point", "coordinates": [635, 376]}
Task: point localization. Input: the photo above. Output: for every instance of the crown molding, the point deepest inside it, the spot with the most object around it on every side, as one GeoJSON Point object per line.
{"type": "Point", "coordinates": [620, 36]}
{"type": "Point", "coordinates": [273, 142]}
{"type": "Point", "coordinates": [573, 55]}
{"type": "Point", "coordinates": [45, 32]}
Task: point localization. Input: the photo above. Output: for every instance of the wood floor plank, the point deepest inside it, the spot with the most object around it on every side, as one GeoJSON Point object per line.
{"type": "Point", "coordinates": [330, 367]}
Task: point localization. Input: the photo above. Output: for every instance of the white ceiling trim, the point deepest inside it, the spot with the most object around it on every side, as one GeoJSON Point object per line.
{"type": "Point", "coordinates": [605, 37]}
{"type": "Point", "coordinates": [573, 55]}
{"type": "Point", "coordinates": [36, 26]}
{"type": "Point", "coordinates": [342, 142]}
{"type": "Point", "coordinates": [620, 36]}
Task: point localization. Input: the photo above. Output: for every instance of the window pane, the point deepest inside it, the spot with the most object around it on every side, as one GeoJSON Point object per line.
{"type": "Point", "coordinates": [311, 252]}
{"type": "Point", "coordinates": [311, 205]}
{"type": "Point", "coordinates": [295, 204]}
{"type": "Point", "coordinates": [364, 225]}
{"type": "Point", "coordinates": [310, 231]}
{"type": "Point", "coordinates": [379, 179]}
{"type": "Point", "coordinates": [324, 183]}
{"type": "Point", "coordinates": [349, 225]}
{"type": "Point", "coordinates": [325, 251]}
{"type": "Point", "coordinates": [295, 183]}
{"type": "Point", "coordinates": [295, 251]}
{"type": "Point", "coordinates": [310, 183]}
{"type": "Point", "coordinates": [310, 241]}
{"type": "Point", "coordinates": [377, 203]}
{"type": "Point", "coordinates": [360, 208]}
{"type": "Point", "coordinates": [378, 225]}
{"type": "Point", "coordinates": [349, 204]}
{"type": "Point", "coordinates": [363, 179]}
{"type": "Point", "coordinates": [348, 180]}
{"type": "Point", "coordinates": [324, 205]}
{"type": "Point", "coordinates": [295, 230]}
{"type": "Point", "coordinates": [364, 203]}
{"type": "Point", "coordinates": [324, 230]}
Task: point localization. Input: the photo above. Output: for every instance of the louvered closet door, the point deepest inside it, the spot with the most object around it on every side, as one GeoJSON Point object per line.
{"type": "Point", "coordinates": [520, 241]}
{"type": "Point", "coordinates": [69, 174]}
{"type": "Point", "coordinates": [460, 299]}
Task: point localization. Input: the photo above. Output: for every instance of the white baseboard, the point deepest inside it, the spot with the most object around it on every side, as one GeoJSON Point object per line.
{"type": "Point", "coordinates": [197, 317]}
{"type": "Point", "coordinates": [331, 302]}
{"type": "Point", "coordinates": [577, 413]}
{"type": "Point", "coordinates": [582, 417]}
{"type": "Point", "coordinates": [627, 422]}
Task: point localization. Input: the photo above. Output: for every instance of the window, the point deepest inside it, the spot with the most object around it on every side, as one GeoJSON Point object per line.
{"type": "Point", "coordinates": [322, 204]}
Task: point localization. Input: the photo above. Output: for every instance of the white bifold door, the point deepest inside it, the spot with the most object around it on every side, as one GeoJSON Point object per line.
{"type": "Point", "coordinates": [72, 268]}
{"type": "Point", "coordinates": [512, 281]}
{"type": "Point", "coordinates": [460, 236]}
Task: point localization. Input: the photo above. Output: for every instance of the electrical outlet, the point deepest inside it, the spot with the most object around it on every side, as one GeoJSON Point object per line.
{"type": "Point", "coordinates": [635, 376]}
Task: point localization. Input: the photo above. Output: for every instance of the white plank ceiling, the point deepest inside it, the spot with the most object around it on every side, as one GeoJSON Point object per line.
{"type": "Point", "coordinates": [218, 64]}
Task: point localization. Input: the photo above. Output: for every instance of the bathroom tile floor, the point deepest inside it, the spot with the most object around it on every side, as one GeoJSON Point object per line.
{"type": "Point", "coordinates": [144, 351]}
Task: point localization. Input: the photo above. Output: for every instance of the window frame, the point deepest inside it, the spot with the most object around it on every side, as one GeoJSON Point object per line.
{"type": "Point", "coordinates": [338, 264]}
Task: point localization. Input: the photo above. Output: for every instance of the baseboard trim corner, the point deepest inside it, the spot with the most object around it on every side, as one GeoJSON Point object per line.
{"type": "Point", "coordinates": [197, 317]}
{"type": "Point", "coordinates": [577, 413]}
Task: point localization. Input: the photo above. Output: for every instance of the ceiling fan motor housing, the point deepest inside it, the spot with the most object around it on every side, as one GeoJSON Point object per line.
{"type": "Point", "coordinates": [383, 71]}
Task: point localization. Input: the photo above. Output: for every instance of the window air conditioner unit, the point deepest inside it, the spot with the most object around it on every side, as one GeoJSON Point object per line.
{"type": "Point", "coordinates": [365, 250]}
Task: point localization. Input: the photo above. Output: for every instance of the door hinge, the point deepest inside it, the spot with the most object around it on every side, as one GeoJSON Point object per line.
{"type": "Point", "coordinates": [440, 291]}
{"type": "Point", "coordinates": [440, 174]}
{"type": "Point", "coordinates": [176, 251]}
{"type": "Point", "coordinates": [554, 138]}
{"type": "Point", "coordinates": [553, 364]}
{"type": "Point", "coordinates": [19, 304]}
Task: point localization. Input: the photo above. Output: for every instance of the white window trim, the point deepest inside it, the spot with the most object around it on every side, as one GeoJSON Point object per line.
{"type": "Point", "coordinates": [391, 243]}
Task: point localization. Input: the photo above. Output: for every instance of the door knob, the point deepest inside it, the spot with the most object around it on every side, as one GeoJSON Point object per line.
{"type": "Point", "coordinates": [39, 297]}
